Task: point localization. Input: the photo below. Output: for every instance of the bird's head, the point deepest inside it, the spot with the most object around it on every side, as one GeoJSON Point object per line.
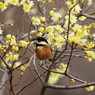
{"type": "Point", "coordinates": [40, 41]}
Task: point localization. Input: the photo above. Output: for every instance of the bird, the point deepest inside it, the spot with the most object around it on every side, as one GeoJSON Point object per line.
{"type": "Point", "coordinates": [43, 49]}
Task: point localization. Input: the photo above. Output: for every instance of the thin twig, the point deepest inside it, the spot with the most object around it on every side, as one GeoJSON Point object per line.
{"type": "Point", "coordinates": [35, 69]}
{"type": "Point", "coordinates": [68, 29]}
{"type": "Point", "coordinates": [30, 83]}
{"type": "Point", "coordinates": [69, 87]}
{"type": "Point", "coordinates": [3, 82]}
{"type": "Point", "coordinates": [11, 82]}
{"type": "Point", "coordinates": [69, 58]}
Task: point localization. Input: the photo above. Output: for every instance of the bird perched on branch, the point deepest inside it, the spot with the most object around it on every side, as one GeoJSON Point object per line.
{"type": "Point", "coordinates": [43, 50]}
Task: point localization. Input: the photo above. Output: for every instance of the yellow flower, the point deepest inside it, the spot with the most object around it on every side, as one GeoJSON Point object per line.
{"type": "Point", "coordinates": [89, 59]}
{"type": "Point", "coordinates": [15, 48]}
{"type": "Point", "coordinates": [3, 64]}
{"type": "Point", "coordinates": [27, 6]}
{"type": "Point", "coordinates": [77, 39]}
{"type": "Point", "coordinates": [52, 12]}
{"type": "Point", "coordinates": [13, 37]}
{"type": "Point", "coordinates": [54, 77]}
{"type": "Point", "coordinates": [58, 29]}
{"type": "Point", "coordinates": [16, 64]}
{"type": "Point", "coordinates": [80, 33]}
{"type": "Point", "coordinates": [12, 41]}
{"type": "Point", "coordinates": [89, 46]}
{"type": "Point", "coordinates": [76, 27]}
{"type": "Point", "coordinates": [41, 29]}
{"type": "Point", "coordinates": [43, 19]}
{"type": "Point", "coordinates": [6, 60]}
{"type": "Point", "coordinates": [74, 39]}
{"type": "Point", "coordinates": [73, 18]}
{"type": "Point", "coordinates": [58, 44]}
{"type": "Point", "coordinates": [72, 80]}
{"type": "Point", "coordinates": [2, 6]}
{"type": "Point", "coordinates": [14, 57]}
{"type": "Point", "coordinates": [77, 9]}
{"type": "Point", "coordinates": [23, 43]}
{"type": "Point", "coordinates": [11, 56]}
{"type": "Point", "coordinates": [66, 24]}
{"type": "Point", "coordinates": [36, 20]}
{"type": "Point", "coordinates": [90, 88]}
{"type": "Point", "coordinates": [59, 39]}
{"type": "Point", "coordinates": [69, 4]}
{"type": "Point", "coordinates": [82, 18]}
{"type": "Point", "coordinates": [50, 35]}
{"type": "Point", "coordinates": [33, 32]}
{"type": "Point", "coordinates": [51, 41]}
{"type": "Point", "coordinates": [62, 68]}
{"type": "Point", "coordinates": [39, 34]}
{"type": "Point", "coordinates": [90, 54]}
{"type": "Point", "coordinates": [6, 2]}
{"type": "Point", "coordinates": [14, 2]}
{"type": "Point", "coordinates": [22, 68]}
{"type": "Point", "coordinates": [8, 36]}
{"type": "Point", "coordinates": [49, 29]}
{"type": "Point", "coordinates": [56, 17]}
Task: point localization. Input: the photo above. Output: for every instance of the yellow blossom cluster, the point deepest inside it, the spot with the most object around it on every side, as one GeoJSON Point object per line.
{"type": "Point", "coordinates": [11, 39]}
{"type": "Point", "coordinates": [75, 10]}
{"type": "Point", "coordinates": [90, 55]}
{"type": "Point", "coordinates": [35, 21]}
{"type": "Point", "coordinates": [38, 20]}
{"type": "Point", "coordinates": [55, 16]}
{"type": "Point", "coordinates": [23, 43]}
{"type": "Point", "coordinates": [54, 35]}
{"type": "Point", "coordinates": [80, 34]}
{"type": "Point", "coordinates": [22, 67]}
{"type": "Point", "coordinates": [3, 48]}
{"type": "Point", "coordinates": [89, 46]}
{"type": "Point", "coordinates": [12, 56]}
{"type": "Point", "coordinates": [9, 57]}
{"type": "Point", "coordinates": [71, 3]}
{"type": "Point", "coordinates": [54, 77]}
{"type": "Point", "coordinates": [10, 53]}
{"type": "Point", "coordinates": [55, 30]}
{"type": "Point", "coordinates": [27, 4]}
{"type": "Point", "coordinates": [73, 20]}
{"type": "Point", "coordinates": [15, 65]}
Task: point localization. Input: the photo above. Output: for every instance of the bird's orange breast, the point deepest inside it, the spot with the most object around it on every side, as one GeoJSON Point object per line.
{"type": "Point", "coordinates": [43, 53]}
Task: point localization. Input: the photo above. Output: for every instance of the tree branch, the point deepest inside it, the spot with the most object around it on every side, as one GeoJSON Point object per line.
{"type": "Point", "coordinates": [60, 87]}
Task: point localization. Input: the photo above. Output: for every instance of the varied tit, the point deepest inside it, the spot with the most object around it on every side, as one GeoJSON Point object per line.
{"type": "Point", "coordinates": [43, 50]}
